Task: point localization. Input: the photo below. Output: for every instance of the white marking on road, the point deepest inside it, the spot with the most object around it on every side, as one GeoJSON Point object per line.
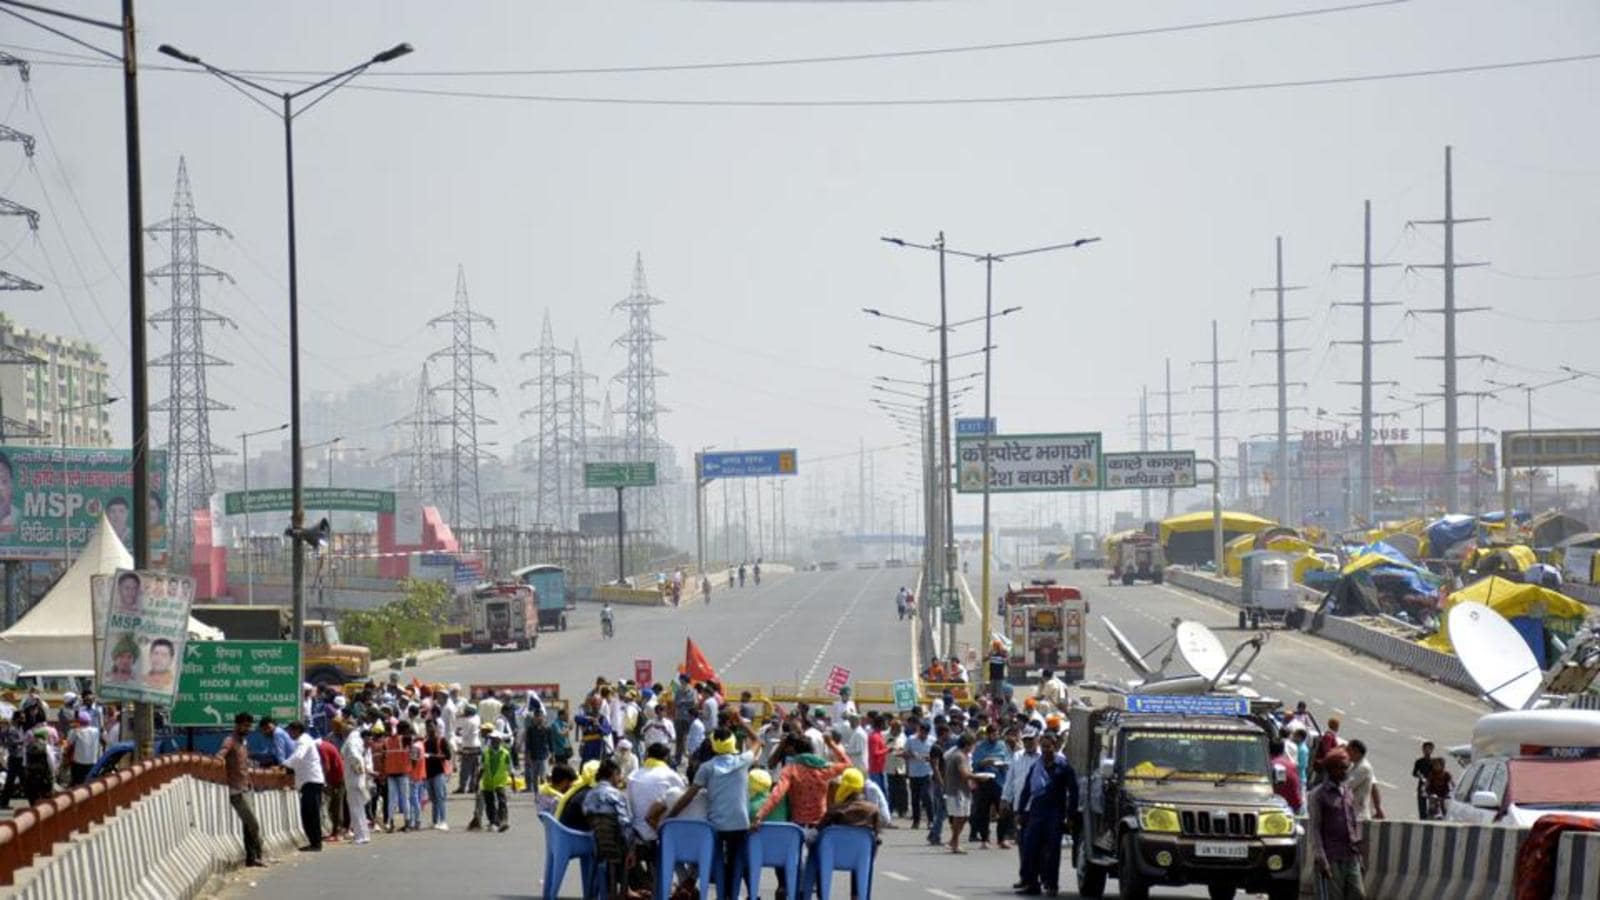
{"type": "Point", "coordinates": [1359, 719]}
{"type": "Point", "coordinates": [945, 894]}
{"type": "Point", "coordinates": [771, 625]}
{"type": "Point", "coordinates": [897, 876]}
{"type": "Point", "coordinates": [1390, 729]}
{"type": "Point", "coordinates": [1418, 738]}
{"type": "Point", "coordinates": [817, 662]}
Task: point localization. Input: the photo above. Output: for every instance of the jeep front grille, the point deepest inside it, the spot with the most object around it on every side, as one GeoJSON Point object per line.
{"type": "Point", "coordinates": [1215, 823]}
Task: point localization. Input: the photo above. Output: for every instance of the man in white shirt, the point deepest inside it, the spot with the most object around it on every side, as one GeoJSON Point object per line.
{"type": "Point", "coordinates": [84, 747]}
{"type": "Point", "coordinates": [469, 745]}
{"type": "Point", "coordinates": [451, 708]}
{"type": "Point", "coordinates": [1363, 782]}
{"type": "Point", "coordinates": [354, 754]}
{"type": "Point", "coordinates": [1052, 689]}
{"type": "Point", "coordinates": [708, 707]}
{"type": "Point", "coordinates": [306, 764]}
{"type": "Point", "coordinates": [843, 708]}
{"type": "Point", "coordinates": [488, 709]}
{"type": "Point", "coordinates": [649, 785]}
{"type": "Point", "coordinates": [813, 733]}
{"type": "Point", "coordinates": [854, 739]}
{"type": "Point", "coordinates": [659, 730]}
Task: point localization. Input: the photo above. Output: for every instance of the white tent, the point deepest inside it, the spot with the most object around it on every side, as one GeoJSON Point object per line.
{"type": "Point", "coordinates": [58, 632]}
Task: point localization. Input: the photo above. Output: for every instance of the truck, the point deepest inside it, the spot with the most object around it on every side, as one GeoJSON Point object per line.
{"type": "Point", "coordinates": [1179, 790]}
{"type": "Point", "coordinates": [325, 659]}
{"type": "Point", "coordinates": [1139, 558]}
{"type": "Point", "coordinates": [1086, 551]}
{"type": "Point", "coordinates": [504, 614]}
{"type": "Point", "coordinates": [1045, 624]}
{"type": "Point", "coordinates": [549, 582]}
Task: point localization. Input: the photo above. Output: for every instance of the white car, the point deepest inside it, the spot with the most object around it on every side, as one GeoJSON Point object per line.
{"type": "Point", "coordinates": [1518, 790]}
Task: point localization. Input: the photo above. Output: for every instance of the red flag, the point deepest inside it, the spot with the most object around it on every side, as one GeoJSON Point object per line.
{"type": "Point", "coordinates": [695, 664]}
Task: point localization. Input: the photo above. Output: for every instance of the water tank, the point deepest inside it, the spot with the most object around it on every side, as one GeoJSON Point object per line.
{"type": "Point", "coordinates": [1274, 574]}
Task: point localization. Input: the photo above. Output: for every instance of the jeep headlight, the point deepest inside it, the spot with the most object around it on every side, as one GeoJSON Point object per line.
{"type": "Point", "coordinates": [1274, 823]}
{"type": "Point", "coordinates": [1161, 819]}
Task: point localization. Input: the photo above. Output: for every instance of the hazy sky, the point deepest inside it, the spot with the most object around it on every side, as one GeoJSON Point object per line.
{"type": "Point", "coordinates": [759, 226]}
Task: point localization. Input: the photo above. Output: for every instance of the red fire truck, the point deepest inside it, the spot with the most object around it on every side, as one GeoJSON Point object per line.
{"type": "Point", "coordinates": [1045, 623]}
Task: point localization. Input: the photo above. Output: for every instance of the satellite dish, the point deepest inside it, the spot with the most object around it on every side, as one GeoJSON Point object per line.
{"type": "Point", "coordinates": [1495, 655]}
{"type": "Point", "coordinates": [1201, 649]}
{"type": "Point", "coordinates": [1130, 654]}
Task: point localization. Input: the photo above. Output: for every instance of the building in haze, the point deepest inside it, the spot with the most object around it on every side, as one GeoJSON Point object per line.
{"type": "Point", "coordinates": [71, 373]}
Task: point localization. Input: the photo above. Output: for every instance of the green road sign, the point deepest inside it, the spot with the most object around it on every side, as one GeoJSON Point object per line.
{"type": "Point", "coordinates": [619, 474]}
{"type": "Point", "coordinates": [235, 503]}
{"type": "Point", "coordinates": [223, 678]}
{"type": "Point", "coordinates": [905, 694]}
{"type": "Point", "coordinates": [953, 613]}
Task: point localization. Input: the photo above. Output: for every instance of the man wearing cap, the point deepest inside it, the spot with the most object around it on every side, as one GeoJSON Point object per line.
{"type": "Point", "coordinates": [470, 747]}
{"type": "Point", "coordinates": [496, 780]}
{"type": "Point", "coordinates": [353, 753]}
{"type": "Point", "coordinates": [535, 747]}
{"type": "Point", "coordinates": [236, 762]}
{"type": "Point", "coordinates": [1335, 832]}
{"type": "Point", "coordinates": [83, 747]}
{"type": "Point", "coordinates": [1017, 774]}
{"type": "Point", "coordinates": [725, 778]}
{"type": "Point", "coordinates": [1048, 799]}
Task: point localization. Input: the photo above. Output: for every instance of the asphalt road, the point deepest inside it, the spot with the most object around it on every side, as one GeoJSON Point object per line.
{"type": "Point", "coordinates": [797, 627]}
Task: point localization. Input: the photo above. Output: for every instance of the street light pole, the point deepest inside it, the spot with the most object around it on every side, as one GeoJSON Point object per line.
{"type": "Point", "coordinates": [287, 115]}
{"type": "Point", "coordinates": [249, 547]}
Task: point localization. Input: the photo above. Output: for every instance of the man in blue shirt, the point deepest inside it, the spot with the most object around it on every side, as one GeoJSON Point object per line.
{"type": "Point", "coordinates": [918, 772]}
{"type": "Point", "coordinates": [1048, 799]}
{"type": "Point", "coordinates": [279, 745]}
{"type": "Point", "coordinates": [725, 778]}
{"type": "Point", "coordinates": [991, 756]}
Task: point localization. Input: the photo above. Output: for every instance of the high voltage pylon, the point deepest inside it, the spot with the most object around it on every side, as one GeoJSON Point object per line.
{"type": "Point", "coordinates": [461, 485]}
{"type": "Point", "coordinates": [8, 281]}
{"type": "Point", "coordinates": [1215, 386]}
{"type": "Point", "coordinates": [549, 494]}
{"type": "Point", "coordinates": [190, 451]}
{"type": "Point", "coordinates": [1367, 342]}
{"type": "Point", "coordinates": [10, 356]}
{"type": "Point", "coordinates": [1281, 351]}
{"type": "Point", "coordinates": [576, 451]}
{"type": "Point", "coordinates": [1452, 434]}
{"type": "Point", "coordinates": [423, 455]}
{"type": "Point", "coordinates": [640, 412]}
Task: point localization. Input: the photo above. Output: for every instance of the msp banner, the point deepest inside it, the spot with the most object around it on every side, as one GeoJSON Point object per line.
{"type": "Point", "coordinates": [1020, 463]}
{"type": "Point", "coordinates": [146, 626]}
{"type": "Point", "coordinates": [50, 498]}
{"type": "Point", "coordinates": [1150, 469]}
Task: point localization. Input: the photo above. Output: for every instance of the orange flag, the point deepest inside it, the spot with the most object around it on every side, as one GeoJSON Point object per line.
{"type": "Point", "coordinates": [695, 664]}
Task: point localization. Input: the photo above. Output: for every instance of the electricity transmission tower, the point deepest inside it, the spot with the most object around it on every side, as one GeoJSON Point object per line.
{"type": "Point", "coordinates": [1452, 433]}
{"type": "Point", "coordinates": [640, 413]}
{"type": "Point", "coordinates": [190, 478]}
{"type": "Point", "coordinates": [576, 450]}
{"type": "Point", "coordinates": [8, 281]}
{"type": "Point", "coordinates": [423, 456]}
{"type": "Point", "coordinates": [1367, 342]}
{"type": "Point", "coordinates": [461, 484]}
{"type": "Point", "coordinates": [1281, 351]}
{"type": "Point", "coordinates": [549, 493]}
{"type": "Point", "coordinates": [10, 356]}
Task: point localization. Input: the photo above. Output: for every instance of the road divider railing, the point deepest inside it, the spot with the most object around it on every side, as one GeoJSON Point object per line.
{"type": "Point", "coordinates": [162, 827]}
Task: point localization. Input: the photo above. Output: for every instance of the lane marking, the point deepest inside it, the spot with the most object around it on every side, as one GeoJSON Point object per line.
{"type": "Point", "coordinates": [897, 876]}
{"type": "Point", "coordinates": [773, 623]}
{"type": "Point", "coordinates": [1389, 728]}
{"type": "Point", "coordinates": [945, 894]}
{"type": "Point", "coordinates": [817, 662]}
{"type": "Point", "coordinates": [1368, 665]}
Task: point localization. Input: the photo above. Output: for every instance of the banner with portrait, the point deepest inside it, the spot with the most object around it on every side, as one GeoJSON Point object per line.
{"type": "Point", "coordinates": [139, 649]}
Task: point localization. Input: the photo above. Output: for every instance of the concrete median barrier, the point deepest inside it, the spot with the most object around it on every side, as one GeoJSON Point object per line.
{"type": "Point", "coordinates": [1577, 866]}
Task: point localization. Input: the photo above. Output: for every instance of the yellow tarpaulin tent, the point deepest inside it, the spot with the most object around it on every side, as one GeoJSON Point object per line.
{"type": "Point", "coordinates": [1234, 522]}
{"type": "Point", "coordinates": [1511, 599]}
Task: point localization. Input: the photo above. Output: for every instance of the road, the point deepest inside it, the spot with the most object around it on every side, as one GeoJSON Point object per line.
{"type": "Point", "coordinates": [798, 626]}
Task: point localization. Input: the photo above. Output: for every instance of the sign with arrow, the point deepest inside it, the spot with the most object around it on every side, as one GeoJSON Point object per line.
{"type": "Point", "coordinates": [223, 678]}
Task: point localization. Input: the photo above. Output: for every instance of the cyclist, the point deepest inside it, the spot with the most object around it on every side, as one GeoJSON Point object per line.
{"type": "Point", "coordinates": [607, 625]}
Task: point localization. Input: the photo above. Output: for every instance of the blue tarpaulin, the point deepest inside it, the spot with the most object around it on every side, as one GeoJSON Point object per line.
{"type": "Point", "coordinates": [1449, 531]}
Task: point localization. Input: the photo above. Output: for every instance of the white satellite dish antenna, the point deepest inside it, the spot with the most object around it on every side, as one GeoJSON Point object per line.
{"type": "Point", "coordinates": [1201, 649]}
{"type": "Point", "coordinates": [1130, 654]}
{"type": "Point", "coordinates": [1495, 655]}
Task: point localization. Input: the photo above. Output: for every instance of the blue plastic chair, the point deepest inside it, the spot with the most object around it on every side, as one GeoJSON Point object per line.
{"type": "Point", "coordinates": [561, 846]}
{"type": "Point", "coordinates": [775, 845]}
{"type": "Point", "coordinates": [684, 841]}
{"type": "Point", "coordinates": [840, 848]}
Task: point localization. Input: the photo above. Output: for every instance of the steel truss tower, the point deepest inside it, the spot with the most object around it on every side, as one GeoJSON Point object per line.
{"type": "Point", "coordinates": [190, 478]}
{"type": "Point", "coordinates": [550, 491]}
{"type": "Point", "coordinates": [423, 456]}
{"type": "Point", "coordinates": [575, 451]}
{"type": "Point", "coordinates": [640, 412]}
{"type": "Point", "coordinates": [461, 483]}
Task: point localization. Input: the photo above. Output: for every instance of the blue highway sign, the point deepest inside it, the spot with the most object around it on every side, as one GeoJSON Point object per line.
{"type": "Point", "coordinates": [749, 464]}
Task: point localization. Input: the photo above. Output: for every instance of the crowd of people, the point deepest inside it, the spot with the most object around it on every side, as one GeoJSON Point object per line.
{"type": "Point", "coordinates": [45, 749]}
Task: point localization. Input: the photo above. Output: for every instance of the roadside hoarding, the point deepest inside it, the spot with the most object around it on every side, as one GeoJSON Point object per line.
{"type": "Point", "coordinates": [224, 678]}
{"type": "Point", "coordinates": [51, 499]}
{"type": "Point", "coordinates": [597, 524]}
{"type": "Point", "coordinates": [1150, 469]}
{"type": "Point", "coordinates": [146, 628]}
{"type": "Point", "coordinates": [1021, 463]}
{"type": "Point", "coordinates": [236, 503]}
{"type": "Point", "coordinates": [749, 463]}
{"type": "Point", "coordinates": [1551, 447]}
{"type": "Point", "coordinates": [619, 474]}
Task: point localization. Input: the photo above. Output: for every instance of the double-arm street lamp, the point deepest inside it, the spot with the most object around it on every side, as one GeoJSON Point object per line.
{"type": "Point", "coordinates": [317, 92]}
{"type": "Point", "coordinates": [249, 548]}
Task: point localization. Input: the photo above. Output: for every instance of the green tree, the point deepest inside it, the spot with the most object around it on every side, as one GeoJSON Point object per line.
{"type": "Point", "coordinates": [409, 623]}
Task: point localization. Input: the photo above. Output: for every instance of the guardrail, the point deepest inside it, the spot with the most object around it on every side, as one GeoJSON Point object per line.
{"type": "Point", "coordinates": [35, 830]}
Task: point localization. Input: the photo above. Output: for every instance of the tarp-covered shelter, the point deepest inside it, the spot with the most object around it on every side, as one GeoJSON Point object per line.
{"type": "Point", "coordinates": [58, 632]}
{"type": "Point", "coordinates": [1445, 533]}
{"type": "Point", "coordinates": [1507, 558]}
{"type": "Point", "coordinates": [1186, 539]}
{"type": "Point", "coordinates": [1531, 609]}
{"type": "Point", "coordinates": [1551, 528]}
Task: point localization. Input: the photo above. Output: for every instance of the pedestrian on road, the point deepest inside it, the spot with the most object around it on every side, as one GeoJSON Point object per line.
{"type": "Point", "coordinates": [1301, 744]}
{"type": "Point", "coordinates": [1017, 775]}
{"type": "Point", "coordinates": [279, 744]}
{"type": "Point", "coordinates": [990, 761]}
{"type": "Point", "coordinates": [1286, 776]}
{"type": "Point", "coordinates": [396, 772]}
{"type": "Point", "coordinates": [83, 747]}
{"type": "Point", "coordinates": [333, 779]}
{"type": "Point", "coordinates": [1421, 768]}
{"type": "Point", "coordinates": [1335, 833]}
{"type": "Point", "coordinates": [1327, 742]}
{"type": "Point", "coordinates": [705, 589]}
{"type": "Point", "coordinates": [1048, 798]}
{"type": "Point", "coordinates": [471, 747]}
{"type": "Point", "coordinates": [804, 781]}
{"type": "Point", "coordinates": [936, 789]}
{"type": "Point", "coordinates": [741, 575]}
{"type": "Point", "coordinates": [236, 761]}
{"type": "Point", "coordinates": [436, 766]}
{"type": "Point", "coordinates": [357, 767]}
{"type": "Point", "coordinates": [495, 782]}
{"type": "Point", "coordinates": [535, 749]}
{"type": "Point", "coordinates": [895, 770]}
{"type": "Point", "coordinates": [958, 780]}
{"type": "Point", "coordinates": [725, 778]}
{"type": "Point", "coordinates": [306, 763]}
{"type": "Point", "coordinates": [1363, 782]}
{"type": "Point", "coordinates": [918, 773]}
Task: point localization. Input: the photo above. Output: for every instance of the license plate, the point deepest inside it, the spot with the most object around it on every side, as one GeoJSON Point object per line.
{"type": "Point", "coordinates": [1219, 850]}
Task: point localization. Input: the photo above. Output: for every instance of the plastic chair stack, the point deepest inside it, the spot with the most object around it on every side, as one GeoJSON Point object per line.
{"type": "Point", "coordinates": [840, 848]}
{"type": "Point", "coordinates": [561, 846]}
{"type": "Point", "coordinates": [775, 845]}
{"type": "Point", "coordinates": [685, 841]}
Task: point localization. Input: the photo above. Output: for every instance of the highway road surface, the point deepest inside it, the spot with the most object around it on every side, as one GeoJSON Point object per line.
{"type": "Point", "coordinates": [797, 627]}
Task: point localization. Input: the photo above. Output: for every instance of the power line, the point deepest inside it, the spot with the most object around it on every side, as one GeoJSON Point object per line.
{"type": "Point", "coordinates": [840, 103]}
{"type": "Point", "coordinates": [855, 57]}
